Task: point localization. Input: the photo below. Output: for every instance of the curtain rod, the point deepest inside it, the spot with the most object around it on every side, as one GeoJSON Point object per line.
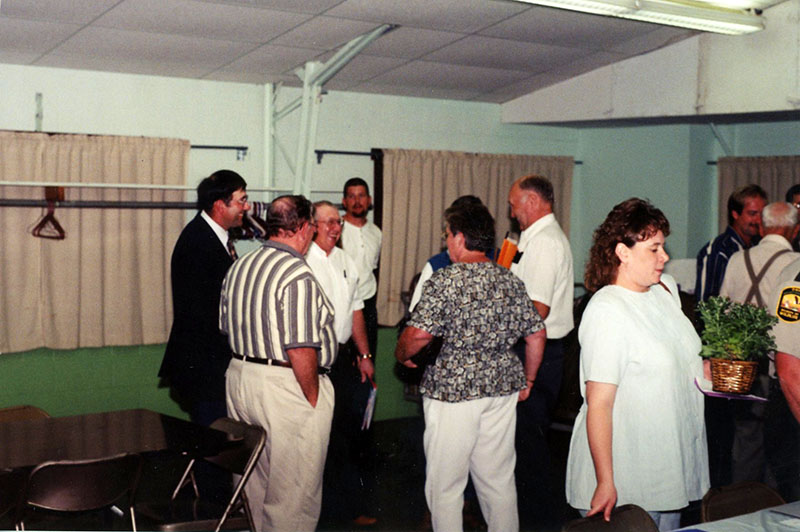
{"type": "Point", "coordinates": [81, 204]}
{"type": "Point", "coordinates": [371, 154]}
{"type": "Point", "coordinates": [135, 186]}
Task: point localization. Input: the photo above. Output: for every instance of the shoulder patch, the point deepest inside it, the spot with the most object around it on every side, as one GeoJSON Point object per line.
{"type": "Point", "coordinates": [789, 304]}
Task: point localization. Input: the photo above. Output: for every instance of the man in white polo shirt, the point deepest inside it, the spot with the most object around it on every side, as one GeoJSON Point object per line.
{"type": "Point", "coordinates": [544, 263]}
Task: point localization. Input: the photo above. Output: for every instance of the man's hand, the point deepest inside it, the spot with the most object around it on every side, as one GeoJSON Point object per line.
{"type": "Point", "coordinates": [367, 369]}
{"type": "Point", "coordinates": [304, 366]}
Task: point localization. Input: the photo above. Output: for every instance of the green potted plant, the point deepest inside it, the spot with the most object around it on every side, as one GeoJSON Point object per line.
{"type": "Point", "coordinates": [736, 336]}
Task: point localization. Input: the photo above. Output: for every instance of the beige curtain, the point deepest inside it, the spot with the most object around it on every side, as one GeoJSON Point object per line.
{"type": "Point", "coordinates": [107, 282]}
{"type": "Point", "coordinates": [774, 174]}
{"type": "Point", "coordinates": [419, 185]}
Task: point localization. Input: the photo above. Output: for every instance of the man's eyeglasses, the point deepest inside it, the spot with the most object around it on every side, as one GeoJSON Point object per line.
{"type": "Point", "coordinates": [241, 201]}
{"type": "Point", "coordinates": [331, 223]}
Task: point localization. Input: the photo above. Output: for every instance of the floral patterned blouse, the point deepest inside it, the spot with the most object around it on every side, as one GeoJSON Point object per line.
{"type": "Point", "coordinates": [480, 310]}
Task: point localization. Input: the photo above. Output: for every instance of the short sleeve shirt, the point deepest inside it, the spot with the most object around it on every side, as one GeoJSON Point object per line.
{"type": "Point", "coordinates": [644, 345]}
{"type": "Point", "coordinates": [480, 310]}
{"type": "Point", "coordinates": [785, 304]}
{"type": "Point", "coordinates": [546, 269]}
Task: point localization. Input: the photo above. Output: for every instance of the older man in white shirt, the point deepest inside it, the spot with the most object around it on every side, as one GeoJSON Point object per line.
{"type": "Point", "coordinates": [544, 263]}
{"type": "Point", "coordinates": [348, 489]}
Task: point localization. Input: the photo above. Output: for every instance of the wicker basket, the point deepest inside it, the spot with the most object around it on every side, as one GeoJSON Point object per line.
{"type": "Point", "coordinates": [732, 376]}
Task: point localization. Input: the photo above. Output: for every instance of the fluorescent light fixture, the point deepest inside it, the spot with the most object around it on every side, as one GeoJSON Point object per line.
{"type": "Point", "coordinates": [692, 15]}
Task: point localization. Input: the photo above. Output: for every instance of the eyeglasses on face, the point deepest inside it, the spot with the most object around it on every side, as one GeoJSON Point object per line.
{"type": "Point", "coordinates": [331, 223]}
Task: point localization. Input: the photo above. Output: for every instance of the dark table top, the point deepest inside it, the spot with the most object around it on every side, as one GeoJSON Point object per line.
{"type": "Point", "coordinates": [31, 442]}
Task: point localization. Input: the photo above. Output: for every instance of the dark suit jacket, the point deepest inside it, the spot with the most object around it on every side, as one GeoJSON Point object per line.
{"type": "Point", "coordinates": [197, 353]}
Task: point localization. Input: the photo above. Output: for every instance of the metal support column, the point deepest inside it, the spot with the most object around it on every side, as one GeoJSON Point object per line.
{"type": "Point", "coordinates": [314, 75]}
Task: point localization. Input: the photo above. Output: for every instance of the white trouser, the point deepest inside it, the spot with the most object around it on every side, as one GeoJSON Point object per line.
{"type": "Point", "coordinates": [285, 489]}
{"type": "Point", "coordinates": [474, 437]}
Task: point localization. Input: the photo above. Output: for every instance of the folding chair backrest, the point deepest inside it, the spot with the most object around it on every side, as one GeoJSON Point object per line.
{"type": "Point", "coordinates": [237, 459]}
{"type": "Point", "coordinates": [240, 460]}
{"type": "Point", "coordinates": [82, 485]}
{"type": "Point", "coordinates": [21, 412]}
{"type": "Point", "coordinates": [625, 518]}
{"type": "Point", "coordinates": [738, 499]}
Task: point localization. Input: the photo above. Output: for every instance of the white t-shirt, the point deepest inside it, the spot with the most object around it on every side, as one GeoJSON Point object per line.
{"type": "Point", "coordinates": [338, 276]}
{"type": "Point", "coordinates": [546, 270]}
{"type": "Point", "coordinates": [363, 245]}
{"type": "Point", "coordinates": [643, 343]}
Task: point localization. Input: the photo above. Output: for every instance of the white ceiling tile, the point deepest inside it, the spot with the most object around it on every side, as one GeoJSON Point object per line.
{"type": "Point", "coordinates": [32, 36]}
{"type": "Point", "coordinates": [446, 76]}
{"type": "Point", "coordinates": [271, 59]}
{"type": "Point", "coordinates": [364, 67]}
{"type": "Point", "coordinates": [486, 50]}
{"type": "Point", "coordinates": [501, 53]}
{"type": "Point", "coordinates": [146, 47]}
{"type": "Point", "coordinates": [417, 91]}
{"type": "Point", "coordinates": [660, 36]}
{"type": "Point", "coordinates": [411, 43]}
{"type": "Point", "coordinates": [126, 65]}
{"type": "Point", "coordinates": [513, 90]}
{"type": "Point", "coordinates": [12, 57]}
{"type": "Point", "coordinates": [207, 20]}
{"type": "Point", "coordinates": [324, 33]}
{"type": "Point", "coordinates": [252, 77]}
{"type": "Point", "coordinates": [567, 28]}
{"type": "Point", "coordinates": [314, 7]}
{"type": "Point", "coordinates": [465, 16]}
{"type": "Point", "coordinates": [73, 11]}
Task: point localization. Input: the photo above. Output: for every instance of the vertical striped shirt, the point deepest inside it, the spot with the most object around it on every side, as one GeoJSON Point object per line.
{"type": "Point", "coordinates": [271, 302]}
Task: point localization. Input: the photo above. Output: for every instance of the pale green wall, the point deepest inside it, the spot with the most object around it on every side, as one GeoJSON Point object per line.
{"type": "Point", "coordinates": [665, 163]}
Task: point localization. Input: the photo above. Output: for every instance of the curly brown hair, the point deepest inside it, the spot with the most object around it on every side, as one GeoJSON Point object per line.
{"type": "Point", "coordinates": [631, 221]}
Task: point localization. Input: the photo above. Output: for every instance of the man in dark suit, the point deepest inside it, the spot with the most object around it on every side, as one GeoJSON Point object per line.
{"type": "Point", "coordinates": [197, 353]}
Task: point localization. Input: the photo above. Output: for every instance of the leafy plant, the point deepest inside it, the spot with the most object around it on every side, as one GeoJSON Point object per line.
{"type": "Point", "coordinates": [735, 331]}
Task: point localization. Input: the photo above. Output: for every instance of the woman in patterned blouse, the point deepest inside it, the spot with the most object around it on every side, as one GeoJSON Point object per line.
{"type": "Point", "coordinates": [470, 391]}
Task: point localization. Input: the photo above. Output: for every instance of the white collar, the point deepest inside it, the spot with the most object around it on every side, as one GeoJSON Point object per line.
{"type": "Point", "coordinates": [536, 227]}
{"type": "Point", "coordinates": [221, 233]}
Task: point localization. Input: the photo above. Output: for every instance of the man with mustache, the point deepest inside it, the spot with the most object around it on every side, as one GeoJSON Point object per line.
{"type": "Point", "coordinates": [744, 229]}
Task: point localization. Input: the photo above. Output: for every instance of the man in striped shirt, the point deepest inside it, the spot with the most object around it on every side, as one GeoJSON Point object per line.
{"type": "Point", "coordinates": [280, 328]}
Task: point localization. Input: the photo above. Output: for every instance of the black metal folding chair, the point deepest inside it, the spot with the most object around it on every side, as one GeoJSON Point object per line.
{"type": "Point", "coordinates": [71, 486]}
{"type": "Point", "coordinates": [240, 459]}
{"type": "Point", "coordinates": [21, 412]}
{"type": "Point", "coordinates": [738, 499]}
{"type": "Point", "coordinates": [625, 518]}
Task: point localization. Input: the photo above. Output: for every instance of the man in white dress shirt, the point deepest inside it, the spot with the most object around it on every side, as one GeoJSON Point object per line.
{"type": "Point", "coordinates": [348, 489]}
{"type": "Point", "coordinates": [544, 263]}
{"type": "Point", "coordinates": [361, 240]}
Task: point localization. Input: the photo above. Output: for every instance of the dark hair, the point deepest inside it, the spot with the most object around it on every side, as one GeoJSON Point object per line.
{"type": "Point", "coordinates": [475, 223]}
{"type": "Point", "coordinates": [629, 222]}
{"type": "Point", "coordinates": [355, 182]}
{"type": "Point", "coordinates": [288, 213]}
{"type": "Point", "coordinates": [464, 201]}
{"type": "Point", "coordinates": [737, 198]}
{"type": "Point", "coordinates": [219, 185]}
{"type": "Point", "coordinates": [792, 192]}
{"type": "Point", "coordinates": [540, 185]}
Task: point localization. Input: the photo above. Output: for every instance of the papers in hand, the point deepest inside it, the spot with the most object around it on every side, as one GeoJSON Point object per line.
{"type": "Point", "coordinates": [706, 388]}
{"type": "Point", "coordinates": [370, 410]}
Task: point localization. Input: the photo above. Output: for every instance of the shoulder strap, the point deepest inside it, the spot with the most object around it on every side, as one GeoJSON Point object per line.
{"type": "Point", "coordinates": [756, 279]}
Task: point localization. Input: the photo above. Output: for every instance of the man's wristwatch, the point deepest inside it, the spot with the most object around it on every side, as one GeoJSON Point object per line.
{"type": "Point", "coordinates": [365, 356]}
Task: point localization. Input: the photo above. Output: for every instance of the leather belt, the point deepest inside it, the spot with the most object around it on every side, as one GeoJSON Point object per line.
{"type": "Point", "coordinates": [274, 362]}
